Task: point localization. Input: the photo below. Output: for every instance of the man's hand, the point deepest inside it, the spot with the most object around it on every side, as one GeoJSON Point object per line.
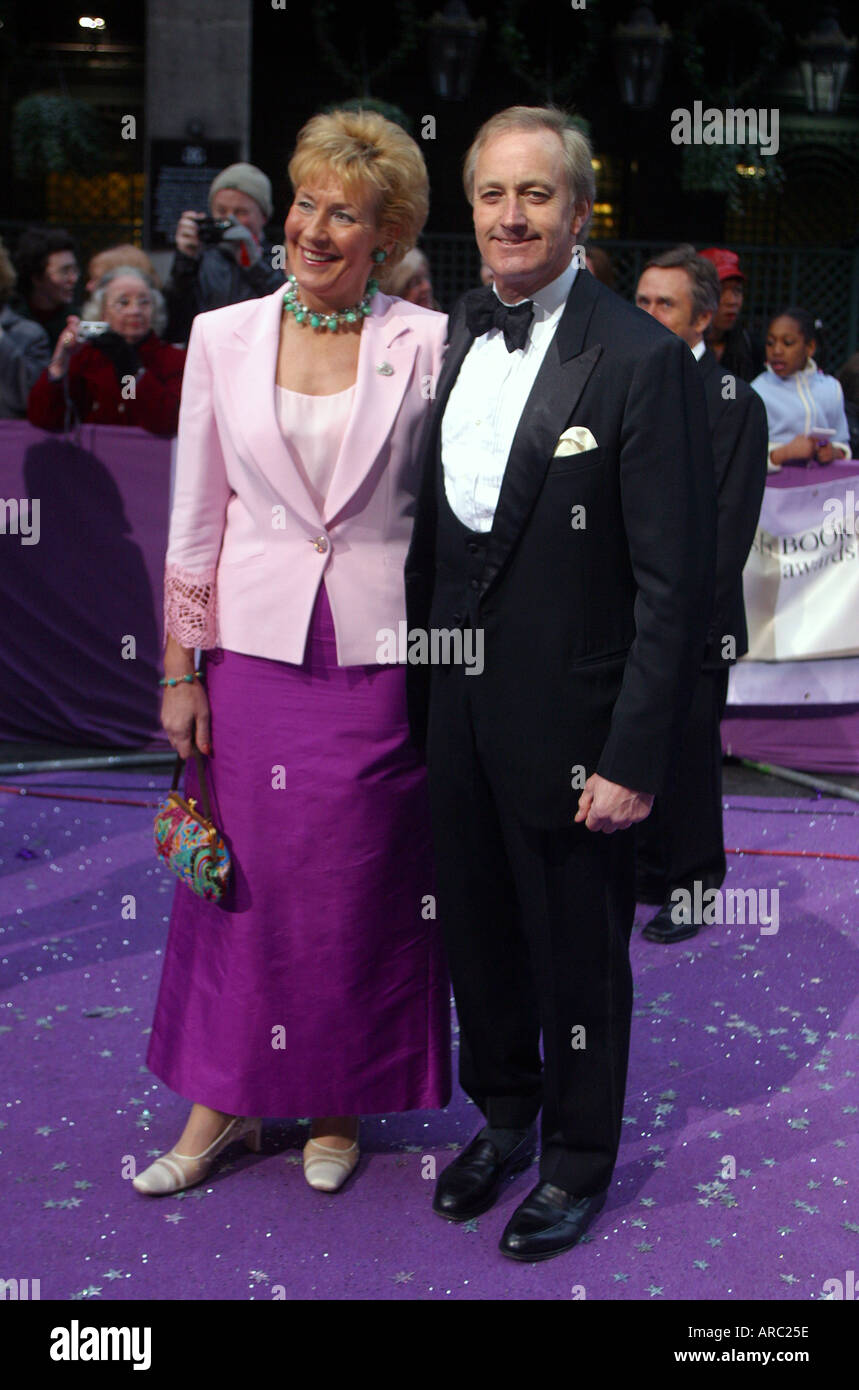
{"type": "Point", "coordinates": [608, 807]}
{"type": "Point", "coordinates": [187, 238]}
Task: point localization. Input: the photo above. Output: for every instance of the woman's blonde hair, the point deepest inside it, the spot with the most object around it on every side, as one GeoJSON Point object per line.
{"type": "Point", "coordinates": [368, 153]}
{"type": "Point", "coordinates": [126, 255]}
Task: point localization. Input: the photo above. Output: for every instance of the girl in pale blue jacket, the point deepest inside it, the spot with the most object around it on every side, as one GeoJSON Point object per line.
{"type": "Point", "coordinates": [805, 407]}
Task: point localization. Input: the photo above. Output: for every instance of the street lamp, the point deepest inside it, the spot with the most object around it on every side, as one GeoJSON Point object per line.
{"type": "Point", "coordinates": [454, 43]}
{"type": "Point", "coordinates": [639, 54]}
{"type": "Point", "coordinates": [825, 62]}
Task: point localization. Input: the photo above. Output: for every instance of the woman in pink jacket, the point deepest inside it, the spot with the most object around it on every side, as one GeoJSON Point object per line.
{"type": "Point", "coordinates": [317, 986]}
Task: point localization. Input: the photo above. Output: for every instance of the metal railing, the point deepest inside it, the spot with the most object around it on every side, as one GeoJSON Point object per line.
{"type": "Point", "coordinates": [823, 280]}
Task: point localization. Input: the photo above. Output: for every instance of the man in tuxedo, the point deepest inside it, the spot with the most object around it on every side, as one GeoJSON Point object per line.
{"type": "Point", "coordinates": [566, 510]}
{"type": "Point", "coordinates": [682, 841]}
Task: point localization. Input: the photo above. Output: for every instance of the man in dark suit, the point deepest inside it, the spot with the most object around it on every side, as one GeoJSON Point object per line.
{"type": "Point", "coordinates": [567, 514]}
{"type": "Point", "coordinates": [682, 839]}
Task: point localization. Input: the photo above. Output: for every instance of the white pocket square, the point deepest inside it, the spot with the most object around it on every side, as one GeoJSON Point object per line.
{"type": "Point", "coordinates": [574, 441]}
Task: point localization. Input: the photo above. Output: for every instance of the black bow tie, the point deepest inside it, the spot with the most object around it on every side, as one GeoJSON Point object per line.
{"type": "Point", "coordinates": [485, 310]}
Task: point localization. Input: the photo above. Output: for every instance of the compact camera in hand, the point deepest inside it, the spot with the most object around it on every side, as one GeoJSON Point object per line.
{"type": "Point", "coordinates": [211, 230]}
{"type": "Point", "coordinates": [91, 328]}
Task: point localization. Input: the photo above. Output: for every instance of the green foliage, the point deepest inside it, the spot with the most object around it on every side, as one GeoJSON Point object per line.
{"type": "Point", "coordinates": [569, 41]}
{"type": "Point", "coordinates": [55, 134]}
{"type": "Point", "coordinates": [728, 48]}
{"type": "Point", "coordinates": [363, 74]}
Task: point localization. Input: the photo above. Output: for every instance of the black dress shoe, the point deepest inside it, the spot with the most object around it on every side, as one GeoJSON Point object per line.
{"type": "Point", "coordinates": [663, 928]}
{"type": "Point", "coordinates": [469, 1186]}
{"type": "Point", "coordinates": [548, 1222]}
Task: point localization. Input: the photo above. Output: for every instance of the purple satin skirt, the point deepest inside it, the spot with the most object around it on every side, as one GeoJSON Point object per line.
{"type": "Point", "coordinates": [318, 985]}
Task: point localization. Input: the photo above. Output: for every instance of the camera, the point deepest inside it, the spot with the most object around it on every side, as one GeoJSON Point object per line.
{"type": "Point", "coordinates": [211, 230]}
{"type": "Point", "coordinates": [91, 328]}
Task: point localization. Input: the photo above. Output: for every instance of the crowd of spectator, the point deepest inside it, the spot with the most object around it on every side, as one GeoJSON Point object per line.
{"type": "Point", "coordinates": [118, 357]}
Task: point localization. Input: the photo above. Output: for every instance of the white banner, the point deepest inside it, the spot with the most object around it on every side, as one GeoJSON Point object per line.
{"type": "Point", "coordinates": [832, 682]}
{"type": "Point", "coordinates": [801, 580]}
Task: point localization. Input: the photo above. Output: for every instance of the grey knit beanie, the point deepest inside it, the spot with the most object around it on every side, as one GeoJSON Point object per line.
{"type": "Point", "coordinates": [247, 178]}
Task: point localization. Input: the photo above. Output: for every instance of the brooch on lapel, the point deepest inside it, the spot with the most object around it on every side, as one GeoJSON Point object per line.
{"type": "Point", "coordinates": [385, 369]}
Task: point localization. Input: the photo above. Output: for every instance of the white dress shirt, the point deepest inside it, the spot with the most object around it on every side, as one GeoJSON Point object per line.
{"type": "Point", "coordinates": [486, 403]}
{"type": "Point", "coordinates": [699, 349]}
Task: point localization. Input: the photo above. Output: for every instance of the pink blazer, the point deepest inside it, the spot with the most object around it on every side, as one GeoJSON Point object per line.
{"type": "Point", "coordinates": [247, 548]}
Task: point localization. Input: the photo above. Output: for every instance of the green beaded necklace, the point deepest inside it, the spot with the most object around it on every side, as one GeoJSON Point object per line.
{"type": "Point", "coordinates": [293, 305]}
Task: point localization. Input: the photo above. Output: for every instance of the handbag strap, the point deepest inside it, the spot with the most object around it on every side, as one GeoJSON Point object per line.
{"type": "Point", "coordinates": [201, 771]}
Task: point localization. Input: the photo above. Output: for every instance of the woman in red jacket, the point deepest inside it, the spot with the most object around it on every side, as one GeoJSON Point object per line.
{"type": "Point", "coordinates": [124, 376]}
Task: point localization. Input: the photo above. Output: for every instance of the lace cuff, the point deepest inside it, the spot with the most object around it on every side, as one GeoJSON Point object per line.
{"type": "Point", "coordinates": [190, 606]}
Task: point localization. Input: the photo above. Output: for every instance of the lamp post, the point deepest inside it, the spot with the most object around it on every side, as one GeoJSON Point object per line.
{"type": "Point", "coordinates": [454, 44]}
{"type": "Point", "coordinates": [825, 62]}
{"type": "Point", "coordinates": [640, 47]}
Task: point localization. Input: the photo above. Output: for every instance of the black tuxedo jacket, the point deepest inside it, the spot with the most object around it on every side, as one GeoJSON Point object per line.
{"type": "Point", "coordinates": [738, 432]}
{"type": "Point", "coordinates": [593, 636]}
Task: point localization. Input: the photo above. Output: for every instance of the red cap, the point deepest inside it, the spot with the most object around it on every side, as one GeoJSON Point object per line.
{"type": "Point", "coordinates": [727, 263]}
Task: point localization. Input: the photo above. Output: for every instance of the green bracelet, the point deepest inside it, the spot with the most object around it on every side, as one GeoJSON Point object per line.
{"type": "Point", "coordinates": [174, 680]}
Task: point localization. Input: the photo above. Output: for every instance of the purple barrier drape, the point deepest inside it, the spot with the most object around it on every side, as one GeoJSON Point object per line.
{"type": "Point", "coordinates": [824, 738]}
{"type": "Point", "coordinates": [93, 580]}
{"type": "Point", "coordinates": [84, 587]}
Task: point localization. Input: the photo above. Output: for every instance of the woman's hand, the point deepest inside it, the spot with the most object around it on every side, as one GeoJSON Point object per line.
{"type": "Point", "coordinates": [185, 717]}
{"type": "Point", "coordinates": [825, 453]}
{"type": "Point", "coordinates": [800, 447]}
{"type": "Point", "coordinates": [66, 344]}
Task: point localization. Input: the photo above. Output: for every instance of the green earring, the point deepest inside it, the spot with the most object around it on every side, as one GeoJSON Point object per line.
{"type": "Point", "coordinates": [379, 256]}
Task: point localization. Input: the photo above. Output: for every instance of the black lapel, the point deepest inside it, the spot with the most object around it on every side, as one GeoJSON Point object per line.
{"type": "Point", "coordinates": [459, 341]}
{"type": "Point", "coordinates": [557, 389]}
{"type": "Point", "coordinates": [708, 362]}
{"type": "Point", "coordinates": [423, 542]}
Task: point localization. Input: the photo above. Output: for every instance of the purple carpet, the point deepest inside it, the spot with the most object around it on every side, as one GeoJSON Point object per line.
{"type": "Point", "coordinates": [738, 1174]}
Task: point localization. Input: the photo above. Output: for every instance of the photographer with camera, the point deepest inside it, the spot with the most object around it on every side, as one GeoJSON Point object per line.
{"type": "Point", "coordinates": [225, 258]}
{"type": "Point", "coordinates": [110, 366]}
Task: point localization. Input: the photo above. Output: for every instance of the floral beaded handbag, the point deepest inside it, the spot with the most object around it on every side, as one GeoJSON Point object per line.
{"type": "Point", "coordinates": [188, 843]}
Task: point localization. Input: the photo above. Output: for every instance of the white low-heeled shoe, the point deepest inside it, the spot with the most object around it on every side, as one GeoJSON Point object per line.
{"type": "Point", "coordinates": [327, 1169]}
{"type": "Point", "coordinates": [174, 1171]}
